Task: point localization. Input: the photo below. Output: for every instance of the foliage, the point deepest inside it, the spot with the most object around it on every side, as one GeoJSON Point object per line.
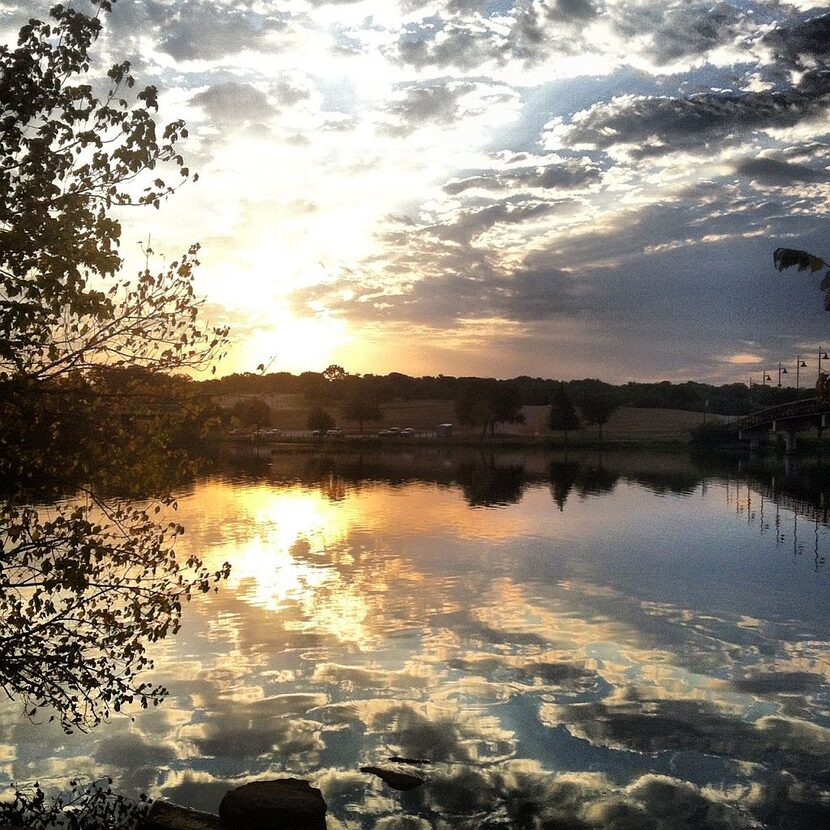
{"type": "Point", "coordinates": [802, 260]}
{"type": "Point", "coordinates": [334, 374]}
{"type": "Point", "coordinates": [87, 411]}
{"type": "Point", "coordinates": [319, 419]}
{"type": "Point", "coordinates": [712, 434]}
{"type": "Point", "coordinates": [69, 157]}
{"type": "Point", "coordinates": [86, 806]}
{"type": "Point", "coordinates": [728, 399]}
{"type": "Point", "coordinates": [361, 409]}
{"type": "Point", "coordinates": [486, 403]}
{"type": "Point", "coordinates": [562, 412]}
{"type": "Point", "coordinates": [598, 403]}
{"type": "Point", "coordinates": [253, 412]}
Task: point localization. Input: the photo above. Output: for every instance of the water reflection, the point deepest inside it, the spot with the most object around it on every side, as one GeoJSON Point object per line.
{"type": "Point", "coordinates": [620, 644]}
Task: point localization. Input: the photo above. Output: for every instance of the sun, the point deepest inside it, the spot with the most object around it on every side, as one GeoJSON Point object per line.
{"type": "Point", "coordinates": [292, 344]}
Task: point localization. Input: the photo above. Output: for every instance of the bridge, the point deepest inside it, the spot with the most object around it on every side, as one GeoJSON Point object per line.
{"type": "Point", "coordinates": [788, 418]}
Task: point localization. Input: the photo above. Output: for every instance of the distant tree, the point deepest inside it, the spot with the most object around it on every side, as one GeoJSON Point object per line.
{"type": "Point", "coordinates": [802, 260]}
{"type": "Point", "coordinates": [361, 409]}
{"type": "Point", "coordinates": [334, 373]}
{"type": "Point", "coordinates": [253, 412]}
{"type": "Point", "coordinates": [487, 403]}
{"type": "Point", "coordinates": [319, 419]}
{"type": "Point", "coordinates": [598, 403]}
{"type": "Point", "coordinates": [562, 412]}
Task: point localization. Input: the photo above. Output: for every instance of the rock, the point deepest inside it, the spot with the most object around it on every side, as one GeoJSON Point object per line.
{"type": "Point", "coordinates": [396, 780]}
{"type": "Point", "coordinates": [166, 816]}
{"type": "Point", "coordinates": [280, 804]}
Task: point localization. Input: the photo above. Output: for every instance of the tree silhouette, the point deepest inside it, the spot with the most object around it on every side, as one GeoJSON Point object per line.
{"type": "Point", "coordinates": [319, 419]}
{"type": "Point", "coordinates": [86, 411]}
{"type": "Point", "coordinates": [562, 412]}
{"type": "Point", "coordinates": [361, 409]}
{"type": "Point", "coordinates": [334, 373]}
{"type": "Point", "coordinates": [597, 404]}
{"type": "Point", "coordinates": [488, 402]}
{"type": "Point", "coordinates": [253, 412]}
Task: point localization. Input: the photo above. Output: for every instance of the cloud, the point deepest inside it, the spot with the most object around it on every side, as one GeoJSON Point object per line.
{"type": "Point", "coordinates": [203, 30]}
{"type": "Point", "coordinates": [656, 125]}
{"type": "Point", "coordinates": [472, 35]}
{"type": "Point", "coordinates": [644, 724]}
{"type": "Point", "coordinates": [441, 102]}
{"type": "Point", "coordinates": [452, 45]}
{"type": "Point", "coordinates": [233, 104]}
{"type": "Point", "coordinates": [802, 45]}
{"type": "Point", "coordinates": [779, 173]}
{"type": "Point", "coordinates": [677, 30]}
{"type": "Point", "coordinates": [568, 174]}
{"type": "Point", "coordinates": [571, 10]}
{"type": "Point", "coordinates": [130, 750]}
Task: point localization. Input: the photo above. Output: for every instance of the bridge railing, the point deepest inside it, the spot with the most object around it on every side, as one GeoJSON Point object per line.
{"type": "Point", "coordinates": [793, 409]}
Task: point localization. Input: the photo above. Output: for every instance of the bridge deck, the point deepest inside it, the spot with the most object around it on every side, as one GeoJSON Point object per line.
{"type": "Point", "coordinates": [806, 408]}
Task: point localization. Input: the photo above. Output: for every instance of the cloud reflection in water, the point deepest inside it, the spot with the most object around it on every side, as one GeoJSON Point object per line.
{"type": "Point", "coordinates": [514, 651]}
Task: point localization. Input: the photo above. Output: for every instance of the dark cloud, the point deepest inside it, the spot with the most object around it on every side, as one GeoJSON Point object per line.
{"type": "Point", "coordinates": [455, 45]}
{"type": "Point", "coordinates": [415, 731]}
{"type": "Point", "coordinates": [131, 750]}
{"type": "Point", "coordinates": [202, 30]}
{"type": "Point", "coordinates": [288, 93]}
{"type": "Point", "coordinates": [470, 224]}
{"type": "Point", "coordinates": [563, 675]}
{"type": "Point", "coordinates": [565, 175]}
{"type": "Point", "coordinates": [661, 124]}
{"type": "Point", "coordinates": [438, 102]}
{"type": "Point", "coordinates": [478, 294]}
{"type": "Point", "coordinates": [678, 31]}
{"type": "Point", "coordinates": [656, 725]}
{"type": "Point", "coordinates": [232, 103]}
{"type": "Point", "coordinates": [774, 172]}
{"type": "Point", "coordinates": [802, 45]}
{"type": "Point", "coordinates": [465, 37]}
{"type": "Point", "coordinates": [774, 683]}
{"type": "Point", "coordinates": [571, 10]}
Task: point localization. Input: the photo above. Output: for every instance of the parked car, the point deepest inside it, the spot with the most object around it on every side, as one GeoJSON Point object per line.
{"type": "Point", "coordinates": [334, 433]}
{"type": "Point", "coordinates": [409, 432]}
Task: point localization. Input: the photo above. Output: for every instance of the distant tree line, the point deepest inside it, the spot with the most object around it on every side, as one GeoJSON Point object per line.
{"type": "Point", "coordinates": [334, 387]}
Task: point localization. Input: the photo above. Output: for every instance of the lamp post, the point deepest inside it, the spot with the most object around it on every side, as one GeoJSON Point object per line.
{"type": "Point", "coordinates": [799, 365]}
{"type": "Point", "coordinates": [822, 355]}
{"type": "Point", "coordinates": [764, 378]}
{"type": "Point", "coordinates": [781, 371]}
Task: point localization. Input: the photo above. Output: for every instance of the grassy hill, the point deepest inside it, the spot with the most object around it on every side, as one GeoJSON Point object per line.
{"type": "Point", "coordinates": [290, 412]}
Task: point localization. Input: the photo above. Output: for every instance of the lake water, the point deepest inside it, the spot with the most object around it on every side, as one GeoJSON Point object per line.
{"type": "Point", "coordinates": [624, 641]}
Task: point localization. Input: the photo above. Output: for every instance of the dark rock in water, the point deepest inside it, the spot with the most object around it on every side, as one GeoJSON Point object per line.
{"type": "Point", "coordinates": [396, 780]}
{"type": "Point", "coordinates": [281, 804]}
{"type": "Point", "coordinates": [166, 816]}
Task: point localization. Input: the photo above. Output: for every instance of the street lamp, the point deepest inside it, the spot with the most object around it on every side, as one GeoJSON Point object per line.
{"type": "Point", "coordinates": [822, 355]}
{"type": "Point", "coordinates": [764, 378]}
{"type": "Point", "coordinates": [799, 365]}
{"type": "Point", "coordinates": [781, 371]}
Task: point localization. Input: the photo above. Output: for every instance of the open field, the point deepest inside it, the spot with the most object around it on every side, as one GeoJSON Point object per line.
{"type": "Point", "coordinates": [290, 412]}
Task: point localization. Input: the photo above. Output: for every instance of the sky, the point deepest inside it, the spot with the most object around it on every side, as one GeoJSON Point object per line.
{"type": "Point", "coordinates": [555, 188]}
